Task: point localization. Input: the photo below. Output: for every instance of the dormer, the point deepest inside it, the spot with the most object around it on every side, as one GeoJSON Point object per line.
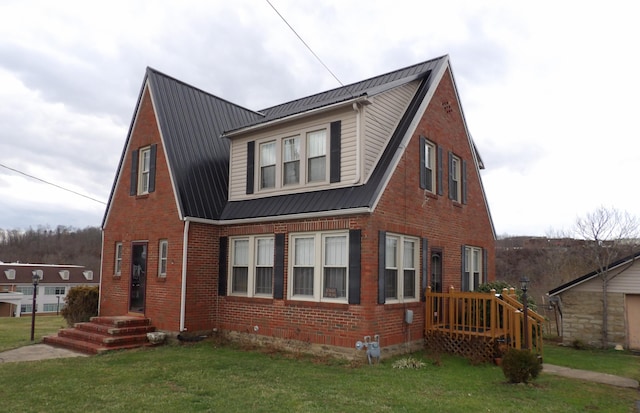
{"type": "Point", "coordinates": [88, 275]}
{"type": "Point", "coordinates": [334, 146]}
{"type": "Point", "coordinates": [64, 274]}
{"type": "Point", "coordinates": [10, 274]}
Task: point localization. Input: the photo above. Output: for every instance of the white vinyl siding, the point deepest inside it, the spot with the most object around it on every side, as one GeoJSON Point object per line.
{"type": "Point", "coordinates": [238, 160]}
{"type": "Point", "coordinates": [627, 282]}
{"type": "Point", "coordinates": [381, 119]}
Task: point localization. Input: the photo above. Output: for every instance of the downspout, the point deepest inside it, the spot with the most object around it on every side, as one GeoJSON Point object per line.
{"type": "Point", "coordinates": [356, 107]}
{"type": "Point", "coordinates": [183, 291]}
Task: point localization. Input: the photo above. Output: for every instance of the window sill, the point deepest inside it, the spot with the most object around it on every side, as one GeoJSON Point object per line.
{"type": "Point", "coordinates": [162, 278]}
{"type": "Point", "coordinates": [317, 304]}
{"type": "Point", "coordinates": [142, 196]}
{"type": "Point", "coordinates": [244, 299]}
{"type": "Point", "coordinates": [117, 276]}
{"type": "Point", "coordinates": [407, 304]}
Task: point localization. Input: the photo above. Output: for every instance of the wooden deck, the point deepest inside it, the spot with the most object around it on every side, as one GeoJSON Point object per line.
{"type": "Point", "coordinates": [479, 325]}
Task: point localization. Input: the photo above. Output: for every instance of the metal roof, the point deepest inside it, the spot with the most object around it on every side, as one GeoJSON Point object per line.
{"type": "Point", "coordinates": [192, 123]}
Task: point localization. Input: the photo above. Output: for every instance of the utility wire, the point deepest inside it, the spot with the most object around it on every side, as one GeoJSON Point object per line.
{"type": "Point", "coordinates": [52, 184]}
{"type": "Point", "coordinates": [305, 43]}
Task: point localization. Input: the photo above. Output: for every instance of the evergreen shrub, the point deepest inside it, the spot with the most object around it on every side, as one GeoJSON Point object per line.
{"type": "Point", "coordinates": [81, 303]}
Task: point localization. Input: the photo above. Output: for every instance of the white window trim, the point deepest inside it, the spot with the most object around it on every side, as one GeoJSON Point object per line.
{"type": "Point", "coordinates": [303, 165]}
{"type": "Point", "coordinates": [163, 254]}
{"type": "Point", "coordinates": [400, 269]}
{"type": "Point", "coordinates": [252, 264]}
{"type": "Point", "coordinates": [318, 273]}
{"type": "Point", "coordinates": [144, 174]}
{"type": "Point", "coordinates": [117, 269]}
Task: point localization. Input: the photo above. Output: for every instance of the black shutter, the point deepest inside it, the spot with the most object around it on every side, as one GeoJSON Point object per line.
{"type": "Point", "coordinates": [451, 181]}
{"type": "Point", "coordinates": [354, 265]}
{"type": "Point", "coordinates": [152, 167]}
{"type": "Point", "coordinates": [440, 171]}
{"type": "Point", "coordinates": [464, 181]}
{"type": "Point", "coordinates": [423, 170]}
{"type": "Point", "coordinates": [278, 268]}
{"type": "Point", "coordinates": [251, 154]}
{"type": "Point", "coordinates": [465, 279]}
{"type": "Point", "coordinates": [425, 268]}
{"type": "Point", "coordinates": [133, 189]}
{"type": "Point", "coordinates": [382, 243]}
{"type": "Point", "coordinates": [335, 150]}
{"type": "Point", "coordinates": [222, 266]}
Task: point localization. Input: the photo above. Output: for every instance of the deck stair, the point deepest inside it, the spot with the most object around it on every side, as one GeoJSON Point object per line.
{"type": "Point", "coordinates": [103, 334]}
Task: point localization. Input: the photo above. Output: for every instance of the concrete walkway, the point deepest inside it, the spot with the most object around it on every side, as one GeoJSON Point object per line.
{"type": "Point", "coordinates": [603, 378]}
{"type": "Point", "coordinates": [35, 352]}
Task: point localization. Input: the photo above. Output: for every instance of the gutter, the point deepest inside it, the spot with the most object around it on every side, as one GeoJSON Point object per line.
{"type": "Point", "coordinates": [183, 288]}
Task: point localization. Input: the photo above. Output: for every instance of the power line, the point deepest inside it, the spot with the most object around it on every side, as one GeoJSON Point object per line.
{"type": "Point", "coordinates": [52, 184]}
{"type": "Point", "coordinates": [305, 43]}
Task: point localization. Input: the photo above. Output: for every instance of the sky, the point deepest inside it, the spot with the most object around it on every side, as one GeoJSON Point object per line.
{"type": "Point", "coordinates": [549, 89]}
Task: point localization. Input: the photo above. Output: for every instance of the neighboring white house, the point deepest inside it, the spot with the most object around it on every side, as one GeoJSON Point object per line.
{"type": "Point", "coordinates": [580, 303]}
{"type": "Point", "coordinates": [16, 286]}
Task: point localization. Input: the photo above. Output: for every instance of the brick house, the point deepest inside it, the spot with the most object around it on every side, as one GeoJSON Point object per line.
{"type": "Point", "coordinates": [580, 304]}
{"type": "Point", "coordinates": [312, 223]}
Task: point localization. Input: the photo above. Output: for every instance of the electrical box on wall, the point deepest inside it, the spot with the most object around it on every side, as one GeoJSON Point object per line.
{"type": "Point", "coordinates": [408, 316]}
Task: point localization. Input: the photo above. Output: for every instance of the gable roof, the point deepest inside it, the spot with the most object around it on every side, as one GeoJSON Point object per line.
{"type": "Point", "coordinates": [195, 126]}
{"type": "Point", "coordinates": [587, 277]}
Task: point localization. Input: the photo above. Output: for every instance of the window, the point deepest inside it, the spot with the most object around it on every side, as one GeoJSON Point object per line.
{"type": "Point", "coordinates": [268, 165]}
{"type": "Point", "coordinates": [319, 266]}
{"type": "Point", "coordinates": [251, 272]}
{"type": "Point", "coordinates": [52, 307]}
{"type": "Point", "coordinates": [54, 290]}
{"type": "Point", "coordinates": [400, 268]}
{"type": "Point", "coordinates": [64, 274]}
{"type": "Point", "coordinates": [26, 291]}
{"type": "Point", "coordinates": [454, 178]}
{"type": "Point", "coordinates": [144, 171]}
{"type": "Point", "coordinates": [10, 273]}
{"type": "Point", "coordinates": [316, 155]}
{"type": "Point", "coordinates": [291, 160]}
{"type": "Point", "coordinates": [163, 251]}
{"type": "Point", "coordinates": [429, 165]}
{"type": "Point", "coordinates": [472, 264]}
{"type": "Point", "coordinates": [118, 264]}
{"type": "Point", "coordinates": [26, 308]}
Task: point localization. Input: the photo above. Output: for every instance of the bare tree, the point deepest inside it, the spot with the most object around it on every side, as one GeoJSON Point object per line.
{"type": "Point", "coordinates": [610, 234]}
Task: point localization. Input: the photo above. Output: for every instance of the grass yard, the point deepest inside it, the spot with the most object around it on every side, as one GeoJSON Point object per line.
{"type": "Point", "coordinates": [16, 332]}
{"type": "Point", "coordinates": [208, 376]}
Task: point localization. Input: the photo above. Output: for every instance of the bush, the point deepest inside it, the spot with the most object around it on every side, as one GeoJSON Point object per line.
{"type": "Point", "coordinates": [520, 366]}
{"type": "Point", "coordinates": [81, 303]}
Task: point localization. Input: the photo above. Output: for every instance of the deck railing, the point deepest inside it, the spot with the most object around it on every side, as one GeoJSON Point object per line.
{"type": "Point", "coordinates": [496, 318]}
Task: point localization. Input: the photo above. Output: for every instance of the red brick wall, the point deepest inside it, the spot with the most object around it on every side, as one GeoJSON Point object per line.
{"type": "Point", "coordinates": [147, 218]}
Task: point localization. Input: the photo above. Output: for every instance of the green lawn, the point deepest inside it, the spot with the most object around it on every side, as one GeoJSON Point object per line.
{"type": "Point", "coordinates": [16, 332]}
{"type": "Point", "coordinates": [208, 376]}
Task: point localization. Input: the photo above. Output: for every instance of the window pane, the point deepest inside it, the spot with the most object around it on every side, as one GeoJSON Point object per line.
{"type": "Point", "coordinates": [268, 176]}
{"type": "Point", "coordinates": [268, 154]}
{"type": "Point", "coordinates": [240, 278]}
{"type": "Point", "coordinates": [291, 149]}
{"type": "Point", "coordinates": [303, 281]}
{"type": "Point", "coordinates": [264, 253]}
{"type": "Point", "coordinates": [391, 253]}
{"type": "Point", "coordinates": [335, 251]}
{"type": "Point", "coordinates": [408, 254]}
{"type": "Point", "coordinates": [241, 252]}
{"type": "Point", "coordinates": [264, 276]}
{"type": "Point", "coordinates": [291, 172]}
{"type": "Point", "coordinates": [335, 282]}
{"type": "Point", "coordinates": [316, 143]}
{"type": "Point", "coordinates": [317, 169]}
{"type": "Point", "coordinates": [391, 283]}
{"type": "Point", "coordinates": [304, 252]}
{"type": "Point", "coordinates": [409, 283]}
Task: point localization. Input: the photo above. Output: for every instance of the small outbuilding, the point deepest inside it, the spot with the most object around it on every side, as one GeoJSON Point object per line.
{"type": "Point", "coordinates": [580, 304]}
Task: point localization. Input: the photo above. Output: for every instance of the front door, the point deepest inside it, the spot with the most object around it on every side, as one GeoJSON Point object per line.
{"type": "Point", "coordinates": [138, 277]}
{"type": "Point", "coordinates": [633, 320]}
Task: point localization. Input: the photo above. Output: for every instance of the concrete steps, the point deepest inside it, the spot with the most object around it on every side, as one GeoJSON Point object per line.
{"type": "Point", "coordinates": [103, 334]}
